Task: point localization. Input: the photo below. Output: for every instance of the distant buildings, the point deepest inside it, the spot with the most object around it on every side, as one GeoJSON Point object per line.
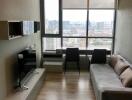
{"type": "Point", "coordinates": [96, 29]}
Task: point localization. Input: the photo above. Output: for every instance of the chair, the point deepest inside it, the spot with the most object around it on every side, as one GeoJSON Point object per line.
{"type": "Point", "coordinates": [99, 56]}
{"type": "Point", "coordinates": [72, 55]}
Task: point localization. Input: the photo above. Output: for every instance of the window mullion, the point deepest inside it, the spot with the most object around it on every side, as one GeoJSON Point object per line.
{"type": "Point", "coordinates": [61, 21]}
{"type": "Point", "coordinates": [87, 24]}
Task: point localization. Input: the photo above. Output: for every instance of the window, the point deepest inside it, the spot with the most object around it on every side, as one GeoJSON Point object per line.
{"type": "Point", "coordinates": [51, 43]}
{"type": "Point", "coordinates": [101, 23]}
{"type": "Point", "coordinates": [86, 24]}
{"type": "Point", "coordinates": [99, 43]}
{"type": "Point", "coordinates": [51, 16]}
{"type": "Point", "coordinates": [74, 22]}
{"type": "Point", "coordinates": [74, 42]}
{"type": "Point", "coordinates": [100, 33]}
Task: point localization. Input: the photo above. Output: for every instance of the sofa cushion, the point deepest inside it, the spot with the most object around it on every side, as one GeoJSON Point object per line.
{"type": "Point", "coordinates": [99, 56]}
{"type": "Point", "coordinates": [113, 60]}
{"type": "Point", "coordinates": [104, 76]}
{"type": "Point", "coordinates": [120, 66]}
{"type": "Point", "coordinates": [126, 78]}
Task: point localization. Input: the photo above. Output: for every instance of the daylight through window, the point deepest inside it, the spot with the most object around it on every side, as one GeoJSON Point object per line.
{"type": "Point", "coordinates": [81, 25]}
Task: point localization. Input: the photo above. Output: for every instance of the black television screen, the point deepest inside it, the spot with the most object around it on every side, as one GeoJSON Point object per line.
{"type": "Point", "coordinates": [28, 27]}
{"type": "Point", "coordinates": [25, 68]}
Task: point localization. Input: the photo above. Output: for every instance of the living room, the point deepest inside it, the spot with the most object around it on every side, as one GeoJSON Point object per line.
{"type": "Point", "coordinates": [21, 10]}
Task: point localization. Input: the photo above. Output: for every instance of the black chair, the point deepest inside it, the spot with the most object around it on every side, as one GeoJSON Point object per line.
{"type": "Point", "coordinates": [99, 56]}
{"type": "Point", "coordinates": [72, 55]}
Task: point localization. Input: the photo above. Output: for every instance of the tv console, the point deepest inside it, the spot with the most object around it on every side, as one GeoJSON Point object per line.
{"type": "Point", "coordinates": [34, 85]}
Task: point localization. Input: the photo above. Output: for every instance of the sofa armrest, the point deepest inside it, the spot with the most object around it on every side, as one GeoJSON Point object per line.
{"type": "Point", "coordinates": [117, 94]}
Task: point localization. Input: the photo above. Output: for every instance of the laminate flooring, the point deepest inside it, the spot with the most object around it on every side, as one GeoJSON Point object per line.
{"type": "Point", "coordinates": [68, 86]}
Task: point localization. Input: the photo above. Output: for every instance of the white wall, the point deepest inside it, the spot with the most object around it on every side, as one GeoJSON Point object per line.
{"type": "Point", "coordinates": [123, 41]}
{"type": "Point", "coordinates": [2, 80]}
{"type": "Point", "coordinates": [16, 10]}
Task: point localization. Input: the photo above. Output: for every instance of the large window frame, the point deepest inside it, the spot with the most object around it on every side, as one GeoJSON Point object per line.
{"type": "Point", "coordinates": [44, 34]}
{"type": "Point", "coordinates": [103, 37]}
{"type": "Point", "coordinates": [60, 35]}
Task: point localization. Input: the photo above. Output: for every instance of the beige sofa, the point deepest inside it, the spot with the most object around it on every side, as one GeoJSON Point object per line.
{"type": "Point", "coordinates": [107, 85]}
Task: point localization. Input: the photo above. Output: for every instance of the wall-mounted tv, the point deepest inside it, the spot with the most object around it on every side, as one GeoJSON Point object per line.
{"type": "Point", "coordinates": [28, 27]}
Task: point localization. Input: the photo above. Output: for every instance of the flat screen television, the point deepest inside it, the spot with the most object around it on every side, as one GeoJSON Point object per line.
{"type": "Point", "coordinates": [25, 68]}
{"type": "Point", "coordinates": [28, 27]}
{"type": "Point", "coordinates": [25, 75]}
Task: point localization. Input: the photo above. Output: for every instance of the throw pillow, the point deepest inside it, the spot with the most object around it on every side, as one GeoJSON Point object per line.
{"type": "Point", "coordinates": [99, 56]}
{"type": "Point", "coordinates": [126, 78]}
{"type": "Point", "coordinates": [113, 60]}
{"type": "Point", "coordinates": [120, 66]}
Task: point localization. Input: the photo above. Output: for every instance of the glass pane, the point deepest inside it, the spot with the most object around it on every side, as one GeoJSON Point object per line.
{"type": "Point", "coordinates": [100, 43]}
{"type": "Point", "coordinates": [51, 16]}
{"type": "Point", "coordinates": [28, 27]}
{"type": "Point", "coordinates": [74, 22]}
{"type": "Point", "coordinates": [75, 3]}
{"type": "Point", "coordinates": [101, 3]}
{"type": "Point", "coordinates": [51, 43]}
{"type": "Point", "coordinates": [74, 42]}
{"type": "Point", "coordinates": [101, 23]}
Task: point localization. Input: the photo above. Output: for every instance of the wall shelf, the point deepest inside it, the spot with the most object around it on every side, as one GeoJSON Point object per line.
{"type": "Point", "coordinates": [15, 29]}
{"type": "Point", "coordinates": [10, 30]}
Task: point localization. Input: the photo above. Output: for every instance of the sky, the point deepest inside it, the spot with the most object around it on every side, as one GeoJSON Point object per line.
{"type": "Point", "coordinates": [51, 13]}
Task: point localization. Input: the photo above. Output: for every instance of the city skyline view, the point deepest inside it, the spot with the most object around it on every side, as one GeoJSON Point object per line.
{"type": "Point", "coordinates": [82, 28]}
{"type": "Point", "coordinates": [99, 29]}
{"type": "Point", "coordinates": [79, 28]}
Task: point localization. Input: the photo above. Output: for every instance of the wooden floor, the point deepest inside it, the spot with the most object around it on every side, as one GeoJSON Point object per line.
{"type": "Point", "coordinates": [70, 86]}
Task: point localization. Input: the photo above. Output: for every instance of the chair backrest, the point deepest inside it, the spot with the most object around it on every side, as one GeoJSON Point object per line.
{"type": "Point", "coordinates": [99, 56]}
{"type": "Point", "coordinates": [72, 54]}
